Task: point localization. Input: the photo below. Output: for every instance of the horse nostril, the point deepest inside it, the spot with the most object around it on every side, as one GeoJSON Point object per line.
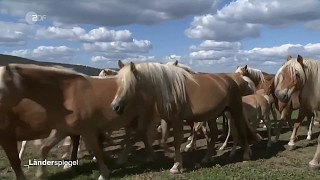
{"type": "Point", "coordinates": [116, 108]}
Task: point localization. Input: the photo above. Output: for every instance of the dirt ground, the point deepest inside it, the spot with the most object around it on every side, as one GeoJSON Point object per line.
{"type": "Point", "coordinates": [274, 163]}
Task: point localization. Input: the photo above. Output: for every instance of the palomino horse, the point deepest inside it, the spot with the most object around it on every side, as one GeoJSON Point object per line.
{"type": "Point", "coordinates": [260, 79]}
{"type": "Point", "coordinates": [301, 75]}
{"type": "Point", "coordinates": [179, 95]}
{"type": "Point", "coordinates": [292, 104]}
{"type": "Point", "coordinates": [75, 104]}
{"type": "Point", "coordinates": [108, 72]}
{"type": "Point", "coordinates": [246, 87]}
{"type": "Point", "coordinates": [255, 108]}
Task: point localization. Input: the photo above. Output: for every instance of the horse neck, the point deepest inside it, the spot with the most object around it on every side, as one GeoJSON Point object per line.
{"type": "Point", "coordinates": [255, 80]}
{"type": "Point", "coordinates": [310, 90]}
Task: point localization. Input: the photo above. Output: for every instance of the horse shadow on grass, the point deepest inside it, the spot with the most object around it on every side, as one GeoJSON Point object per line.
{"type": "Point", "coordinates": [191, 160]}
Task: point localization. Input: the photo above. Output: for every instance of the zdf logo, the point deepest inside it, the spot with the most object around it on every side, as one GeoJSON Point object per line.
{"type": "Point", "coordinates": [32, 17]}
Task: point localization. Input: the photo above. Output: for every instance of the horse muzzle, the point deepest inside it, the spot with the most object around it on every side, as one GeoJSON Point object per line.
{"type": "Point", "coordinates": [117, 107]}
{"type": "Point", "coordinates": [282, 95]}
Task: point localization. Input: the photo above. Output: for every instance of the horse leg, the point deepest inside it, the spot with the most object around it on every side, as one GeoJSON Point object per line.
{"type": "Point", "coordinates": [91, 139]}
{"type": "Point", "coordinates": [234, 133]}
{"type": "Point", "coordinates": [205, 129]}
{"type": "Point", "coordinates": [227, 138]}
{"type": "Point", "coordinates": [23, 148]}
{"type": "Point", "coordinates": [74, 153]}
{"type": "Point", "coordinates": [284, 114]}
{"type": "Point", "coordinates": [178, 134]}
{"type": "Point", "coordinates": [193, 140]}
{"type": "Point", "coordinates": [310, 127]}
{"type": "Point", "coordinates": [11, 150]}
{"type": "Point", "coordinates": [164, 136]}
{"type": "Point", "coordinates": [267, 122]}
{"type": "Point", "coordinates": [126, 146]}
{"type": "Point", "coordinates": [273, 112]}
{"type": "Point", "coordinates": [54, 138]}
{"type": "Point", "coordinates": [213, 138]}
{"type": "Point", "coordinates": [148, 134]}
{"type": "Point", "coordinates": [315, 162]}
{"type": "Point", "coordinates": [295, 129]}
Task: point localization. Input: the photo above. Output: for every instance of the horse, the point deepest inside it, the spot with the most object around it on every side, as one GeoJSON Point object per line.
{"type": "Point", "coordinates": [177, 95]}
{"type": "Point", "coordinates": [301, 75]}
{"type": "Point", "coordinates": [107, 72]}
{"type": "Point", "coordinates": [103, 73]}
{"type": "Point", "coordinates": [257, 107]}
{"type": "Point", "coordinates": [246, 87]}
{"type": "Point", "coordinates": [294, 103]}
{"type": "Point", "coordinates": [75, 104]}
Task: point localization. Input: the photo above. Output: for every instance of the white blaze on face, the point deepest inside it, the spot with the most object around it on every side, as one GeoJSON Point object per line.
{"type": "Point", "coordinates": [2, 84]}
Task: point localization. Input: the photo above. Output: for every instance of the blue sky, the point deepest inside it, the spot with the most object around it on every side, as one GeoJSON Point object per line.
{"type": "Point", "coordinates": [208, 35]}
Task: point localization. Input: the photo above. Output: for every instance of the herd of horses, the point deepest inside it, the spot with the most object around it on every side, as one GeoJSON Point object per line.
{"type": "Point", "coordinates": [38, 102]}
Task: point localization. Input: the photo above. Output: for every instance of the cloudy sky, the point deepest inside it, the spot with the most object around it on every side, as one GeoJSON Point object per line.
{"type": "Point", "coordinates": [208, 35]}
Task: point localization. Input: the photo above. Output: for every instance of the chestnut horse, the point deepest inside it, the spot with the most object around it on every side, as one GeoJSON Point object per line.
{"type": "Point", "coordinates": [75, 104]}
{"type": "Point", "coordinates": [36, 114]}
{"type": "Point", "coordinates": [178, 95]}
{"type": "Point", "coordinates": [301, 75]}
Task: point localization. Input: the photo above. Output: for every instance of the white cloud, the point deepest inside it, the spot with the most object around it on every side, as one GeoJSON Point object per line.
{"type": "Point", "coordinates": [14, 33]}
{"type": "Point", "coordinates": [99, 59]}
{"type": "Point", "coordinates": [268, 59]}
{"type": "Point", "coordinates": [214, 45]}
{"type": "Point", "coordinates": [212, 28]}
{"type": "Point", "coordinates": [111, 12]}
{"type": "Point", "coordinates": [172, 57]}
{"type": "Point", "coordinates": [140, 46]}
{"type": "Point", "coordinates": [244, 18]}
{"type": "Point", "coordinates": [46, 53]}
{"type": "Point", "coordinates": [100, 34]}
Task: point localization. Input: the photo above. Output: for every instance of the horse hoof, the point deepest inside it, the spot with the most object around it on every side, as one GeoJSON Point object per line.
{"type": "Point", "coordinates": [291, 147]}
{"type": "Point", "coordinates": [67, 166]}
{"type": "Point", "coordinates": [101, 178]}
{"type": "Point", "coordinates": [308, 138]}
{"type": "Point", "coordinates": [175, 171]}
{"type": "Point", "coordinates": [314, 166]}
{"type": "Point", "coordinates": [188, 148]}
{"type": "Point", "coordinates": [94, 159]}
{"type": "Point", "coordinates": [197, 166]}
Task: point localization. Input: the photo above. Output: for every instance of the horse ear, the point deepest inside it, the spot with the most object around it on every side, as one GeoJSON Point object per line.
{"type": "Point", "coordinates": [300, 59]}
{"type": "Point", "coordinates": [176, 63]}
{"type": "Point", "coordinates": [133, 68]}
{"type": "Point", "coordinates": [120, 64]}
{"type": "Point", "coordinates": [246, 67]}
{"type": "Point", "coordinates": [289, 57]}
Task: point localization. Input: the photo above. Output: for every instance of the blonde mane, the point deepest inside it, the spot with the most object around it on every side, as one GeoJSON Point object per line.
{"type": "Point", "coordinates": [256, 74]}
{"type": "Point", "coordinates": [250, 84]}
{"type": "Point", "coordinates": [311, 69]}
{"type": "Point", "coordinates": [104, 73]}
{"type": "Point", "coordinates": [167, 83]}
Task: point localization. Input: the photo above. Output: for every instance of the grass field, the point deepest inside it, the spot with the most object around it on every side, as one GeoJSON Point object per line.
{"type": "Point", "coordinates": [274, 163]}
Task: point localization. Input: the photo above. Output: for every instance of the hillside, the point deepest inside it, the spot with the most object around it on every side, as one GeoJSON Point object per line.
{"type": "Point", "coordinates": [6, 59]}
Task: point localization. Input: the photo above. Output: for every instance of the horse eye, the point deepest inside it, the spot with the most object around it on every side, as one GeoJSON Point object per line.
{"type": "Point", "coordinates": [297, 75]}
